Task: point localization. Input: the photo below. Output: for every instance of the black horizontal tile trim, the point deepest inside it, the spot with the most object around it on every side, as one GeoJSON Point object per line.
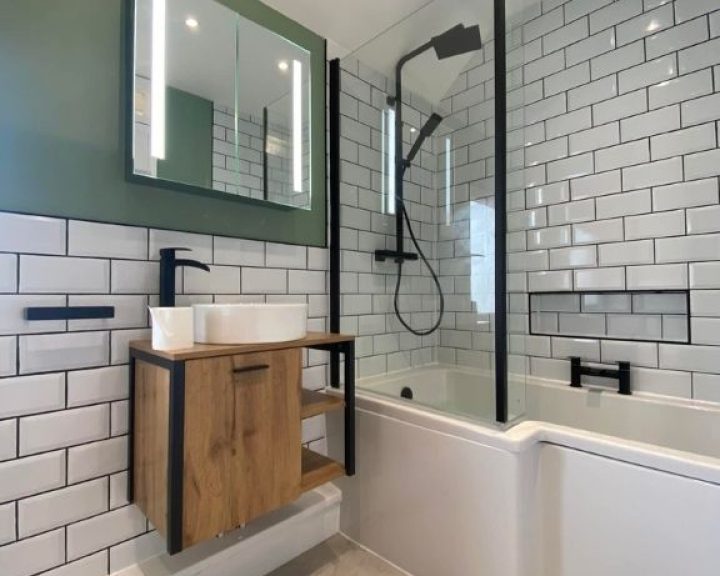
{"type": "Point", "coordinates": [69, 312]}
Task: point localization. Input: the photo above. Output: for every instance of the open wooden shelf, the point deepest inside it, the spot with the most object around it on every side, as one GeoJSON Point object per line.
{"type": "Point", "coordinates": [315, 403]}
{"type": "Point", "coordinates": [318, 469]}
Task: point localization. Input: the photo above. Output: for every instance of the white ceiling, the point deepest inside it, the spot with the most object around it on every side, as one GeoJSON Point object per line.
{"type": "Point", "coordinates": [380, 32]}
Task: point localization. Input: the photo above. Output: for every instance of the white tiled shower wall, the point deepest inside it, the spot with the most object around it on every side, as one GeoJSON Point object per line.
{"type": "Point", "coordinates": [614, 165]}
{"type": "Point", "coordinates": [63, 385]}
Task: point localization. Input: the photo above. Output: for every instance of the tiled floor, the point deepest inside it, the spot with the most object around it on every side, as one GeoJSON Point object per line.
{"type": "Point", "coordinates": [337, 557]}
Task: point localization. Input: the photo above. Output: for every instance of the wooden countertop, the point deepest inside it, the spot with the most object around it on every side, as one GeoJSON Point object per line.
{"type": "Point", "coordinates": [211, 350]}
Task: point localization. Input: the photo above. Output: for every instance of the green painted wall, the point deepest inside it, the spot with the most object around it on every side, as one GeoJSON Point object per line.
{"type": "Point", "coordinates": [188, 149]}
{"type": "Point", "coordinates": [62, 127]}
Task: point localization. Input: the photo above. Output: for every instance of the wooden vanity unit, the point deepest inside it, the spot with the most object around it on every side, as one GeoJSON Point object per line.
{"type": "Point", "coordinates": [217, 433]}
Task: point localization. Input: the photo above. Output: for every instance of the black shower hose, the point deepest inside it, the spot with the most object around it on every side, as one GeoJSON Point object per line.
{"type": "Point", "coordinates": [434, 277]}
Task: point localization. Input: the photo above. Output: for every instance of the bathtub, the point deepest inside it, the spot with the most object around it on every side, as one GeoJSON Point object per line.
{"type": "Point", "coordinates": [441, 491]}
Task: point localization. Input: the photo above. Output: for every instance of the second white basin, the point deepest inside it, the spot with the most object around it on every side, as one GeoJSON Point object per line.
{"type": "Point", "coordinates": [249, 323]}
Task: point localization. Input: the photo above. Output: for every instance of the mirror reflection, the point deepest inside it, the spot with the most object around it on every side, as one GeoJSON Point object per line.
{"type": "Point", "coordinates": [220, 103]}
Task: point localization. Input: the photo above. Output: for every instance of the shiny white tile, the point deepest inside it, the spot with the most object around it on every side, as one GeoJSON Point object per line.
{"type": "Point", "coordinates": [547, 194]}
{"type": "Point", "coordinates": [588, 350]}
{"type": "Point", "coordinates": [651, 123]}
{"type": "Point", "coordinates": [98, 385]}
{"type": "Point", "coordinates": [550, 281]}
{"type": "Point", "coordinates": [626, 253]}
{"type": "Point", "coordinates": [645, 24]}
{"type": "Point", "coordinates": [614, 14]}
{"type": "Point", "coordinates": [571, 212]}
{"type": "Point", "coordinates": [107, 240]}
{"type": "Point", "coordinates": [31, 394]}
{"type": "Point", "coordinates": [706, 387]}
{"type": "Point", "coordinates": [220, 280]}
{"type": "Point", "coordinates": [623, 106]}
{"type": "Point", "coordinates": [703, 220]}
{"type": "Point", "coordinates": [568, 123]}
{"type": "Point", "coordinates": [681, 89]}
{"type": "Point", "coordinates": [687, 9]}
{"type": "Point", "coordinates": [549, 237]}
{"type": "Point", "coordinates": [104, 530]}
{"type": "Point", "coordinates": [574, 167]}
{"type": "Point", "coordinates": [705, 275]}
{"type": "Point", "coordinates": [656, 225]}
{"type": "Point", "coordinates": [619, 59]}
{"type": "Point", "coordinates": [686, 194]}
{"type": "Point", "coordinates": [700, 56]}
{"type": "Point", "coordinates": [45, 353]}
{"type": "Point", "coordinates": [660, 277]}
{"type": "Point", "coordinates": [568, 78]}
{"type": "Point", "coordinates": [576, 257]}
{"type": "Point", "coordinates": [54, 509]}
{"type": "Point", "coordinates": [705, 109]}
{"type": "Point", "coordinates": [97, 459]}
{"type": "Point", "coordinates": [659, 70]}
{"type": "Point", "coordinates": [8, 356]}
{"type": "Point", "coordinates": [655, 173]}
{"type": "Point", "coordinates": [627, 204]}
{"type": "Point", "coordinates": [597, 91]}
{"type": "Point", "coordinates": [595, 138]}
{"type": "Point", "coordinates": [623, 155]}
{"type": "Point", "coordinates": [48, 274]}
{"type": "Point", "coordinates": [65, 428]}
{"type": "Point", "coordinates": [706, 331]}
{"type": "Point", "coordinates": [134, 277]}
{"type": "Point", "coordinates": [596, 185]}
{"type": "Point", "coordinates": [690, 358]}
{"type": "Point", "coordinates": [33, 555]}
{"type": "Point", "coordinates": [600, 279]}
{"type": "Point", "coordinates": [31, 234]}
{"type": "Point", "coordinates": [634, 326]}
{"type": "Point", "coordinates": [637, 353]}
{"type": "Point", "coordinates": [7, 523]}
{"type": "Point", "coordinates": [598, 232]}
{"type": "Point", "coordinates": [595, 45]}
{"type": "Point", "coordinates": [33, 475]}
{"type": "Point", "coordinates": [8, 273]}
{"type": "Point", "coordinates": [702, 164]}
{"type": "Point", "coordinates": [676, 38]}
{"type": "Point", "coordinates": [687, 248]}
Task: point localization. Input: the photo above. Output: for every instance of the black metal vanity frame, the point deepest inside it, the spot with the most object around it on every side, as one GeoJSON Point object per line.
{"type": "Point", "coordinates": [176, 447]}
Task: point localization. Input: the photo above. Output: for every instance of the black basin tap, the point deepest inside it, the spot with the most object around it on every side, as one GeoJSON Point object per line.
{"type": "Point", "coordinates": [168, 264]}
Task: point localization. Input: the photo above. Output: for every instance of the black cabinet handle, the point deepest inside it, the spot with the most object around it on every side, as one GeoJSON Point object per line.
{"type": "Point", "coordinates": [253, 368]}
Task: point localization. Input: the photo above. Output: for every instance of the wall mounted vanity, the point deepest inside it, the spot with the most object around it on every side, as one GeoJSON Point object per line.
{"type": "Point", "coordinates": [217, 433]}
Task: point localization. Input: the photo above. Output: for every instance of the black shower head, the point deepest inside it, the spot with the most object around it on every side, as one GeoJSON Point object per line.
{"type": "Point", "coordinates": [425, 132]}
{"type": "Point", "coordinates": [458, 40]}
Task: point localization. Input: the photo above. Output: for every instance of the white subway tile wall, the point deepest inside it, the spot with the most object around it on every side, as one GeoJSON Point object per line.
{"type": "Point", "coordinates": [64, 385]}
{"type": "Point", "coordinates": [642, 176]}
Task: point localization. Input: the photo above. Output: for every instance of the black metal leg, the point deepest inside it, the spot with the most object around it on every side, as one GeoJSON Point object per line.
{"type": "Point", "coordinates": [349, 350]}
{"type": "Point", "coordinates": [131, 428]}
{"type": "Point", "coordinates": [176, 441]}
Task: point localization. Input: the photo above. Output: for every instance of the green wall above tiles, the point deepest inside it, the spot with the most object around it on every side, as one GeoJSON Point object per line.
{"type": "Point", "coordinates": [62, 126]}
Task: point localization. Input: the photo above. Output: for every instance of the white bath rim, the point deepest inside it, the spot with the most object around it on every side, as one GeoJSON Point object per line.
{"type": "Point", "coordinates": [522, 437]}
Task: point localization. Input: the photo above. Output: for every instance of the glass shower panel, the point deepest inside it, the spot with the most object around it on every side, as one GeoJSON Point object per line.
{"type": "Point", "coordinates": [519, 178]}
{"type": "Point", "coordinates": [448, 192]}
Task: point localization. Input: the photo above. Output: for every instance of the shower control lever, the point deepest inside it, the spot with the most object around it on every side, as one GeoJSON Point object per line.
{"type": "Point", "coordinates": [382, 255]}
{"type": "Point", "coordinates": [622, 374]}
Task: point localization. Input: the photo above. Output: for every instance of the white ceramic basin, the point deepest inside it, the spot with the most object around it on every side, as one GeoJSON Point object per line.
{"type": "Point", "coordinates": [249, 323]}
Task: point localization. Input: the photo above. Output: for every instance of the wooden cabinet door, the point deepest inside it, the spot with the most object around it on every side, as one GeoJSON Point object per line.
{"type": "Point", "coordinates": [242, 440]}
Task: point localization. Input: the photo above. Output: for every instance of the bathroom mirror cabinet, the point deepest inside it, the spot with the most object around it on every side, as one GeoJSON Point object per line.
{"type": "Point", "coordinates": [222, 103]}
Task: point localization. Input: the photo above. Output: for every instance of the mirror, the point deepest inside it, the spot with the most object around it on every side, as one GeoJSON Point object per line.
{"type": "Point", "coordinates": [222, 105]}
